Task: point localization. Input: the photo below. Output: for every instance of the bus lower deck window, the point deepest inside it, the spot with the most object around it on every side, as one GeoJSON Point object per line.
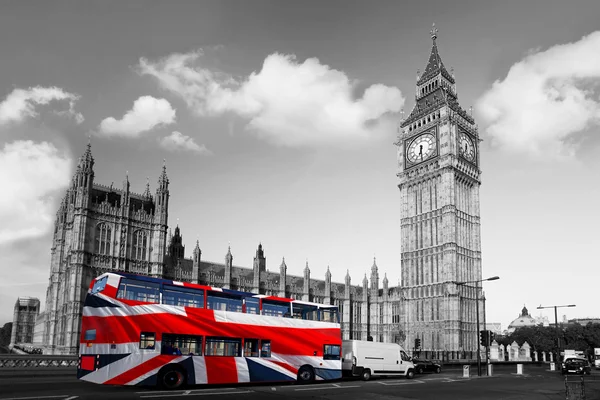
{"type": "Point", "coordinates": [223, 347]}
{"type": "Point", "coordinates": [174, 344]}
{"type": "Point", "coordinates": [265, 349]}
{"type": "Point", "coordinates": [250, 347]}
{"type": "Point", "coordinates": [147, 340]}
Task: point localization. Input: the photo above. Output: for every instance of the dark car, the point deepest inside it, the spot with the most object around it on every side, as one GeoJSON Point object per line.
{"type": "Point", "coordinates": [576, 366]}
{"type": "Point", "coordinates": [426, 366]}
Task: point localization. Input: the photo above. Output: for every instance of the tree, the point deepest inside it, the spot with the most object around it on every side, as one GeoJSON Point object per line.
{"type": "Point", "coordinates": [5, 333]}
{"type": "Point", "coordinates": [540, 338]}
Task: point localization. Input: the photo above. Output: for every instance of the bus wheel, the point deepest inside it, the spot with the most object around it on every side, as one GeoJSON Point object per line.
{"type": "Point", "coordinates": [306, 374]}
{"type": "Point", "coordinates": [171, 378]}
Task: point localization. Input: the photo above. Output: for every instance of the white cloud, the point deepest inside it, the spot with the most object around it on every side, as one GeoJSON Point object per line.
{"type": "Point", "coordinates": [147, 113]}
{"type": "Point", "coordinates": [177, 141]}
{"type": "Point", "coordinates": [20, 103]}
{"type": "Point", "coordinates": [546, 99]}
{"type": "Point", "coordinates": [33, 173]}
{"type": "Point", "coordinates": [287, 103]}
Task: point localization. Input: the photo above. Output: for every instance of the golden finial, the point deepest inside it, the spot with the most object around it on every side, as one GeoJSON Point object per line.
{"type": "Point", "coordinates": [433, 32]}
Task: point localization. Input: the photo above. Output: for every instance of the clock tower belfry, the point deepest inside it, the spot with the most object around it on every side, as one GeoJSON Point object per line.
{"type": "Point", "coordinates": [439, 178]}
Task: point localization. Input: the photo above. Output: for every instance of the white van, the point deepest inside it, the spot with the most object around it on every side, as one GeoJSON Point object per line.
{"type": "Point", "coordinates": [367, 359]}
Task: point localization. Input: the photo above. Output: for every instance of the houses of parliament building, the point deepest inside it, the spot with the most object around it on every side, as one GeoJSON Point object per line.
{"type": "Point", "coordinates": [102, 228]}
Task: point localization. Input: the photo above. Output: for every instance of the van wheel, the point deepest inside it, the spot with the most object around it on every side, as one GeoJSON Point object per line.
{"type": "Point", "coordinates": [171, 377]}
{"type": "Point", "coordinates": [306, 374]}
{"type": "Point", "coordinates": [366, 375]}
{"type": "Point", "coordinates": [410, 374]}
{"type": "Point", "coordinates": [420, 370]}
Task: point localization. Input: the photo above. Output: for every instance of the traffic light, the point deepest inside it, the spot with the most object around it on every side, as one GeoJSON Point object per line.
{"type": "Point", "coordinates": [492, 335]}
{"type": "Point", "coordinates": [483, 337]}
{"type": "Point", "coordinates": [417, 343]}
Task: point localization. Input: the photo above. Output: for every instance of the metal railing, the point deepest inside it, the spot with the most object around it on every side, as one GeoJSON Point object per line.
{"type": "Point", "coordinates": [36, 361]}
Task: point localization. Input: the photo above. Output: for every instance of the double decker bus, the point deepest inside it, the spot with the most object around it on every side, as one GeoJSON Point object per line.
{"type": "Point", "coordinates": [137, 330]}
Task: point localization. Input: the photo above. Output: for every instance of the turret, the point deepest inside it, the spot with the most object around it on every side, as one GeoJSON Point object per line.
{"type": "Point", "coordinates": [347, 286]}
{"type": "Point", "coordinates": [365, 288]}
{"type": "Point", "coordinates": [306, 286]}
{"type": "Point", "coordinates": [327, 286]}
{"type": "Point", "coordinates": [228, 269]}
{"type": "Point", "coordinates": [282, 278]}
{"type": "Point", "coordinates": [374, 277]}
{"type": "Point", "coordinates": [161, 199]}
{"type": "Point", "coordinates": [259, 266]}
{"type": "Point", "coordinates": [160, 223]}
{"type": "Point", "coordinates": [196, 256]}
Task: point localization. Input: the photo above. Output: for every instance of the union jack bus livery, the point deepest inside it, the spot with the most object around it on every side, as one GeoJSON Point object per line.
{"type": "Point", "coordinates": [137, 330]}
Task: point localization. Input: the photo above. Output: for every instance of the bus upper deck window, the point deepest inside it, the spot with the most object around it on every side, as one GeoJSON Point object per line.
{"type": "Point", "coordinates": [99, 285]}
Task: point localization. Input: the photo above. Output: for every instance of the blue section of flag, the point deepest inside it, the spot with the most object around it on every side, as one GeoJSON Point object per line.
{"type": "Point", "coordinates": [97, 302]}
{"type": "Point", "coordinates": [328, 374]}
{"type": "Point", "coordinates": [260, 373]}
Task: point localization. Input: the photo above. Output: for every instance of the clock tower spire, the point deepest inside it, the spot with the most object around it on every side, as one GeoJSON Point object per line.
{"type": "Point", "coordinates": [439, 179]}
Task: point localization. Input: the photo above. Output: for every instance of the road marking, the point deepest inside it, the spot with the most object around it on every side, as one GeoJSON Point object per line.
{"type": "Point", "coordinates": [187, 392]}
{"type": "Point", "coordinates": [331, 387]}
{"type": "Point", "coordinates": [71, 398]}
{"type": "Point", "coordinates": [62, 396]}
{"type": "Point", "coordinates": [181, 392]}
{"type": "Point", "coordinates": [412, 382]}
{"type": "Point", "coordinates": [196, 394]}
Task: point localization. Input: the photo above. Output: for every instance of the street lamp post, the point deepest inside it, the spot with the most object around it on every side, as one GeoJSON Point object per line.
{"type": "Point", "coordinates": [493, 278]}
{"type": "Point", "coordinates": [556, 326]}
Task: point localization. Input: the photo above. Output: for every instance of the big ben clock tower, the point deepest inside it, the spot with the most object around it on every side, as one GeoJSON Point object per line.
{"type": "Point", "coordinates": [439, 178]}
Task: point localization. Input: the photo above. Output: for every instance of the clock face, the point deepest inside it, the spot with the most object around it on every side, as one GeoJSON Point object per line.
{"type": "Point", "coordinates": [467, 148]}
{"type": "Point", "coordinates": [421, 148]}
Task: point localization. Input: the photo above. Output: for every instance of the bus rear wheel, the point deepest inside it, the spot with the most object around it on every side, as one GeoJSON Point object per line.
{"type": "Point", "coordinates": [306, 374]}
{"type": "Point", "coordinates": [171, 378]}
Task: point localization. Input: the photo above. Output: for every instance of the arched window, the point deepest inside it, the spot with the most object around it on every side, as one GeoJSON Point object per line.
{"type": "Point", "coordinates": [103, 235]}
{"type": "Point", "coordinates": [140, 240]}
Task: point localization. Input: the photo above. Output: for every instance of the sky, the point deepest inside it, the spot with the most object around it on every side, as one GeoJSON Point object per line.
{"type": "Point", "coordinates": [277, 119]}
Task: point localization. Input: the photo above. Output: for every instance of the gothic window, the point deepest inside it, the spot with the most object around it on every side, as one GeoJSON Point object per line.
{"type": "Point", "coordinates": [140, 242]}
{"type": "Point", "coordinates": [103, 236]}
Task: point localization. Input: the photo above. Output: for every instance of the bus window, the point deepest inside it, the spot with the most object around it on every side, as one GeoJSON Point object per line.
{"type": "Point", "coordinates": [304, 311]}
{"type": "Point", "coordinates": [329, 315]}
{"type": "Point", "coordinates": [223, 302]}
{"type": "Point", "coordinates": [181, 296]}
{"type": "Point", "coordinates": [181, 344]}
{"type": "Point", "coordinates": [130, 289]}
{"type": "Point", "coordinates": [252, 306]}
{"type": "Point", "coordinates": [99, 285]}
{"type": "Point", "coordinates": [90, 334]}
{"type": "Point", "coordinates": [331, 352]}
{"type": "Point", "coordinates": [275, 308]}
{"type": "Point", "coordinates": [147, 340]}
{"type": "Point", "coordinates": [265, 349]}
{"type": "Point", "coordinates": [250, 347]}
{"type": "Point", "coordinates": [227, 347]}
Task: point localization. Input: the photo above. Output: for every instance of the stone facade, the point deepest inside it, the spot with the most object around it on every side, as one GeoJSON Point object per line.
{"type": "Point", "coordinates": [97, 229]}
{"type": "Point", "coordinates": [100, 228]}
{"type": "Point", "coordinates": [25, 313]}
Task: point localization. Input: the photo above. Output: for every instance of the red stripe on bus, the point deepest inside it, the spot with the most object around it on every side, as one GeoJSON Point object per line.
{"type": "Point", "coordinates": [221, 370]}
{"type": "Point", "coordinates": [286, 366]}
{"type": "Point", "coordinates": [139, 370]}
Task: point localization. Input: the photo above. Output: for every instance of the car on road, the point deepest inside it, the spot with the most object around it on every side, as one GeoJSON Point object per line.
{"type": "Point", "coordinates": [576, 366]}
{"type": "Point", "coordinates": [422, 366]}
